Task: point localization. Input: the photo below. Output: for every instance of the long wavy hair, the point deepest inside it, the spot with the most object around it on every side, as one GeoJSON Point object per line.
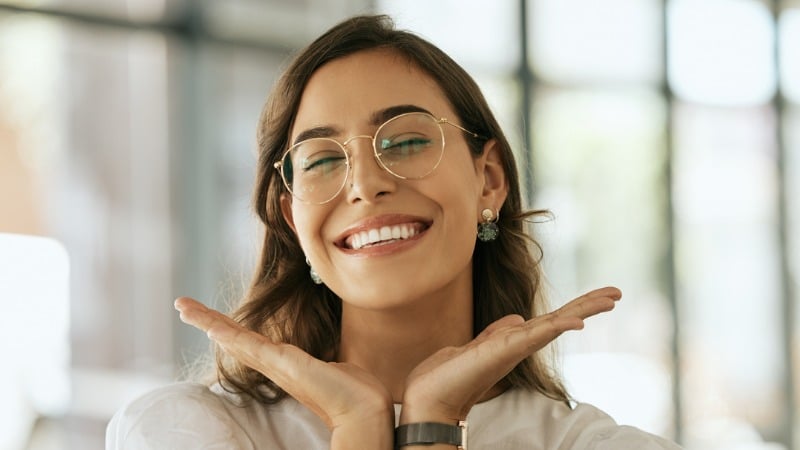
{"type": "Point", "coordinates": [284, 304]}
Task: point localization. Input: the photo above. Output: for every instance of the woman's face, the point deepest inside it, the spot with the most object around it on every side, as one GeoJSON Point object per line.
{"type": "Point", "coordinates": [346, 97]}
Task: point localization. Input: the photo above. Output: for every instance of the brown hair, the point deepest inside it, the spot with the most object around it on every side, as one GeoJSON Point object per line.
{"type": "Point", "coordinates": [284, 304]}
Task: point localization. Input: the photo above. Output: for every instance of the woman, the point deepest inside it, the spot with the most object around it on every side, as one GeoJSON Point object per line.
{"type": "Point", "coordinates": [376, 304]}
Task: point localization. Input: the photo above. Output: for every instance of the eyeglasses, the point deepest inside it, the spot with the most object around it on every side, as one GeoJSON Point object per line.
{"type": "Point", "coordinates": [409, 146]}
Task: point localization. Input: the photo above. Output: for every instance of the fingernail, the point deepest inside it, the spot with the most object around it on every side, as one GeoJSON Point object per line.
{"type": "Point", "coordinates": [176, 303]}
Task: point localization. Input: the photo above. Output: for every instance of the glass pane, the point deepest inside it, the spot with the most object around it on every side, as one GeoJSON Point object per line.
{"type": "Point", "coordinates": [479, 35]}
{"type": "Point", "coordinates": [231, 88]}
{"type": "Point", "coordinates": [790, 53]}
{"type": "Point", "coordinates": [34, 277]}
{"type": "Point", "coordinates": [276, 23]}
{"type": "Point", "coordinates": [137, 154]}
{"type": "Point", "coordinates": [728, 274]}
{"type": "Point", "coordinates": [99, 168]}
{"type": "Point", "coordinates": [587, 41]}
{"type": "Point", "coordinates": [87, 111]}
{"type": "Point", "coordinates": [791, 162]}
{"type": "Point", "coordinates": [139, 11]}
{"type": "Point", "coordinates": [598, 163]}
{"type": "Point", "coordinates": [502, 94]}
{"type": "Point", "coordinates": [721, 51]}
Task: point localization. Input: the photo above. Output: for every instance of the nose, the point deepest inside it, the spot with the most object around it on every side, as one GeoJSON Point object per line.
{"type": "Point", "coordinates": [368, 180]}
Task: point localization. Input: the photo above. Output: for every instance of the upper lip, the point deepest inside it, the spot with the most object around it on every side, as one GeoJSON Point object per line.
{"type": "Point", "coordinates": [385, 220]}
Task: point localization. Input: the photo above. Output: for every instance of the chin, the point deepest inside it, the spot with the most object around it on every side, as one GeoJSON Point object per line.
{"type": "Point", "coordinates": [382, 296]}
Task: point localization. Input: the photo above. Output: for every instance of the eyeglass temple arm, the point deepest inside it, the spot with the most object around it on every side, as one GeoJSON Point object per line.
{"type": "Point", "coordinates": [444, 120]}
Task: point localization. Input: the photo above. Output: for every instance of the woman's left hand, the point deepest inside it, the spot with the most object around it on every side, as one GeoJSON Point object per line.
{"type": "Point", "coordinates": [445, 386]}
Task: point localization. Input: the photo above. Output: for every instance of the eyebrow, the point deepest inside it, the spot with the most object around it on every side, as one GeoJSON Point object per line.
{"type": "Point", "coordinates": [379, 117]}
{"type": "Point", "coordinates": [376, 119]}
{"type": "Point", "coordinates": [316, 132]}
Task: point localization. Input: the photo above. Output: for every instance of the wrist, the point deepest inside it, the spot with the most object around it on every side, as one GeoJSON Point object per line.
{"type": "Point", "coordinates": [418, 412]}
{"type": "Point", "coordinates": [375, 431]}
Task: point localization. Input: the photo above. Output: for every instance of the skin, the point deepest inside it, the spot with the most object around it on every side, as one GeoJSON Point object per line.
{"type": "Point", "coordinates": [406, 306]}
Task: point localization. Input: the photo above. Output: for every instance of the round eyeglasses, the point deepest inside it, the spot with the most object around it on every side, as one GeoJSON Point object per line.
{"type": "Point", "coordinates": [409, 146]}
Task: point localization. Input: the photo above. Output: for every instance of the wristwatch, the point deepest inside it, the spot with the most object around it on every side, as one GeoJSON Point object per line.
{"type": "Point", "coordinates": [429, 433]}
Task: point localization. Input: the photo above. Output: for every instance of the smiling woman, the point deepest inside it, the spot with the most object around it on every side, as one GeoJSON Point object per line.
{"type": "Point", "coordinates": [407, 317]}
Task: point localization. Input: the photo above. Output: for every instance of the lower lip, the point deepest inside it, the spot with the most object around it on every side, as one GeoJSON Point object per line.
{"type": "Point", "coordinates": [386, 249]}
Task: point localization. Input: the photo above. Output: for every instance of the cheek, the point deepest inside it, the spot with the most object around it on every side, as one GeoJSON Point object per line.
{"type": "Point", "coordinates": [307, 223]}
{"type": "Point", "coordinates": [463, 187]}
{"type": "Point", "coordinates": [461, 224]}
{"type": "Point", "coordinates": [459, 199]}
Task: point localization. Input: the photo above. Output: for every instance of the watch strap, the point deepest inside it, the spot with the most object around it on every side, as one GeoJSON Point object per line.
{"type": "Point", "coordinates": [429, 433]}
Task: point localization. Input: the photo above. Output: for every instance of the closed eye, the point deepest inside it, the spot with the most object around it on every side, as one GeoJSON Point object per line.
{"type": "Point", "coordinates": [322, 164]}
{"type": "Point", "coordinates": [405, 146]}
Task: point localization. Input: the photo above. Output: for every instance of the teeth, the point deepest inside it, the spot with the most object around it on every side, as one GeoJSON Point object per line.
{"type": "Point", "coordinates": [383, 234]}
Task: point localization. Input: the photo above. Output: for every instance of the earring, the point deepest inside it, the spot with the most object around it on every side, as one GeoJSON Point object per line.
{"type": "Point", "coordinates": [488, 229]}
{"type": "Point", "coordinates": [314, 275]}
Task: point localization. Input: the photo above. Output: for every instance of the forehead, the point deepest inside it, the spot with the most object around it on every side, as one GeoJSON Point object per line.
{"type": "Point", "coordinates": [346, 92]}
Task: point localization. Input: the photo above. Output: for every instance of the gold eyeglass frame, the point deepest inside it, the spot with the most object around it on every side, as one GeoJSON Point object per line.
{"type": "Point", "coordinates": [279, 165]}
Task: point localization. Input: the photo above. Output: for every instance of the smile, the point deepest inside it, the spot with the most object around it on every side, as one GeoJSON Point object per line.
{"type": "Point", "coordinates": [384, 235]}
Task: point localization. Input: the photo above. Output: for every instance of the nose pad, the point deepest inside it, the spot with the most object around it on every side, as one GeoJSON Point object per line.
{"type": "Point", "coordinates": [367, 179]}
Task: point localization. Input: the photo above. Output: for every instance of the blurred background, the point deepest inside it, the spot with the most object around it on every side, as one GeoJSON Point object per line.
{"type": "Point", "coordinates": [663, 135]}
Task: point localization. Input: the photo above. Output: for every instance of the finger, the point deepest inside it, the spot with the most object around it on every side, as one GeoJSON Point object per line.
{"type": "Point", "coordinates": [536, 333]}
{"type": "Point", "coordinates": [282, 363]}
{"type": "Point", "coordinates": [499, 351]}
{"type": "Point", "coordinates": [541, 330]}
{"type": "Point", "coordinates": [220, 328]}
{"type": "Point", "coordinates": [199, 316]}
{"type": "Point", "coordinates": [569, 317]}
{"type": "Point", "coordinates": [544, 329]}
{"type": "Point", "coordinates": [589, 304]}
{"type": "Point", "coordinates": [512, 345]}
{"type": "Point", "coordinates": [276, 361]}
{"type": "Point", "coordinates": [241, 343]}
{"type": "Point", "coordinates": [506, 342]}
{"type": "Point", "coordinates": [608, 291]}
{"type": "Point", "coordinates": [180, 302]}
{"type": "Point", "coordinates": [183, 303]}
{"type": "Point", "coordinates": [304, 377]}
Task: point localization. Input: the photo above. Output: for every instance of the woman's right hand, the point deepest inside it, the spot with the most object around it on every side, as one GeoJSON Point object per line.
{"type": "Point", "coordinates": [354, 404]}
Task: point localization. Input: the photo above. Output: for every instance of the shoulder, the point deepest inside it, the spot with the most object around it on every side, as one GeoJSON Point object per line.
{"type": "Point", "coordinates": [532, 418]}
{"type": "Point", "coordinates": [184, 415]}
{"type": "Point", "coordinates": [196, 416]}
{"type": "Point", "coordinates": [587, 427]}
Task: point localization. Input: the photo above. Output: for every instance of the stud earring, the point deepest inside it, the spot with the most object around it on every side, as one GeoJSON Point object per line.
{"type": "Point", "coordinates": [314, 275]}
{"type": "Point", "coordinates": [488, 229]}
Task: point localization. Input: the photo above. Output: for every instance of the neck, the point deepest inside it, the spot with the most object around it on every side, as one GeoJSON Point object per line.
{"type": "Point", "coordinates": [391, 343]}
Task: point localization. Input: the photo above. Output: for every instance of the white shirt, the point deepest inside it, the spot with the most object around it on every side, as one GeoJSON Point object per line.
{"type": "Point", "coordinates": [195, 416]}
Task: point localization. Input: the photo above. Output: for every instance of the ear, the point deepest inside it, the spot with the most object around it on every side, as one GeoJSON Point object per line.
{"type": "Point", "coordinates": [492, 177]}
{"type": "Point", "coordinates": [286, 210]}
